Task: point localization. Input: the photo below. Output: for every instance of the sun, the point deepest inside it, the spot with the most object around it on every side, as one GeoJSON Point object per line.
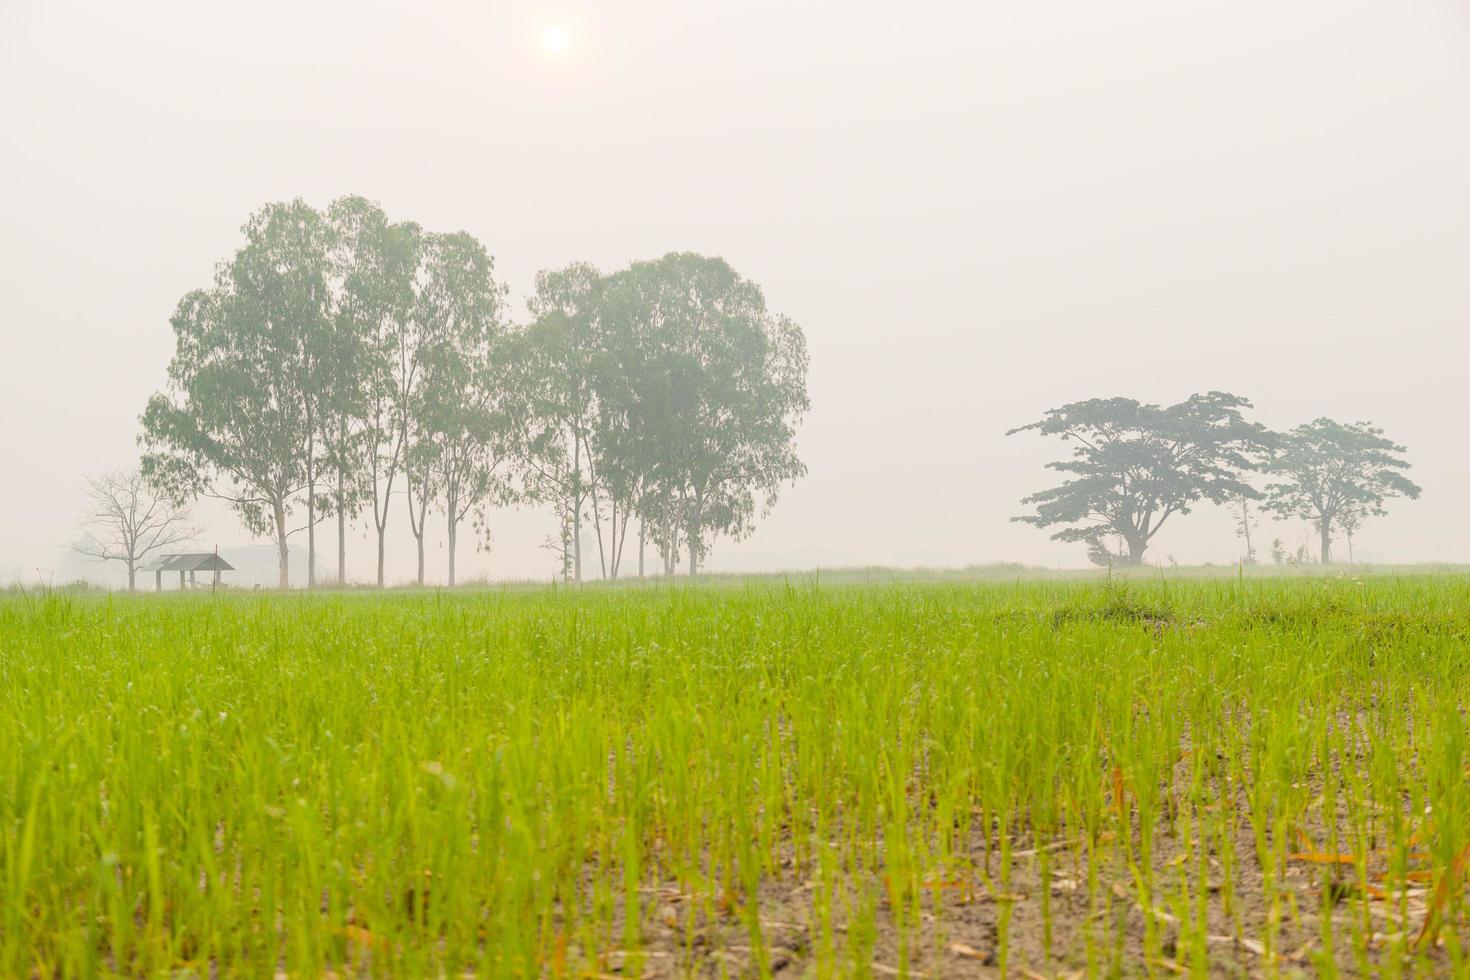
{"type": "Point", "coordinates": [554, 39]}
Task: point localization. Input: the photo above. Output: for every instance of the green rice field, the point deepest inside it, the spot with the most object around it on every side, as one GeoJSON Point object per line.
{"type": "Point", "coordinates": [1212, 776]}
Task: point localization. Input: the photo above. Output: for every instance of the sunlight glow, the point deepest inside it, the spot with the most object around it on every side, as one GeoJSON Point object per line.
{"type": "Point", "coordinates": [554, 39]}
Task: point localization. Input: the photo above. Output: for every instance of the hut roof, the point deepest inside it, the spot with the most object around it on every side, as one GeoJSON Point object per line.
{"type": "Point", "coordinates": [199, 561]}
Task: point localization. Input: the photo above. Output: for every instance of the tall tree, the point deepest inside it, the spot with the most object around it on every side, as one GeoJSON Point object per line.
{"type": "Point", "coordinates": [283, 272]}
{"type": "Point", "coordinates": [630, 424]}
{"type": "Point", "coordinates": [555, 383]}
{"type": "Point", "coordinates": [720, 387]}
{"type": "Point", "coordinates": [376, 265]}
{"type": "Point", "coordinates": [1134, 466]}
{"type": "Point", "coordinates": [456, 417]}
{"type": "Point", "coordinates": [1336, 474]}
{"type": "Point", "coordinates": [236, 423]}
{"type": "Point", "coordinates": [361, 272]}
{"type": "Point", "coordinates": [467, 406]}
{"type": "Point", "coordinates": [127, 520]}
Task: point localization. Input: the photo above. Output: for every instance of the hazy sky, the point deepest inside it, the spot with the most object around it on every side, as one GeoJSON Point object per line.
{"type": "Point", "coordinates": [976, 210]}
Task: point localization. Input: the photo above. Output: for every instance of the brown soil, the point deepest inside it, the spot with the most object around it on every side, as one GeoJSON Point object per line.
{"type": "Point", "coordinates": [958, 930]}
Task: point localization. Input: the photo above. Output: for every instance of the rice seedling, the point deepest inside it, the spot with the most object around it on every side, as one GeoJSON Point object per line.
{"type": "Point", "coordinates": [740, 778]}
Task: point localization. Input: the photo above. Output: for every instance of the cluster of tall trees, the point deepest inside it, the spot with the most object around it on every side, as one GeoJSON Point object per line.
{"type": "Point", "coordinates": [1135, 466]}
{"type": "Point", "coordinates": [343, 365]}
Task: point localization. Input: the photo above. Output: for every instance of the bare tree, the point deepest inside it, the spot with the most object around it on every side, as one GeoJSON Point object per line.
{"type": "Point", "coordinates": [1349, 520]}
{"type": "Point", "coordinates": [1245, 522]}
{"type": "Point", "coordinates": [127, 520]}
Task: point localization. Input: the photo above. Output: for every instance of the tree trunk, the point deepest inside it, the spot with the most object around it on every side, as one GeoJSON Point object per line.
{"type": "Point", "coordinates": [640, 547]}
{"type": "Point", "coordinates": [341, 542]}
{"type": "Point", "coordinates": [380, 557]}
{"type": "Point", "coordinates": [1326, 542]}
{"type": "Point", "coordinates": [450, 543]}
{"type": "Point", "coordinates": [566, 552]}
{"type": "Point", "coordinates": [692, 532]}
{"type": "Point", "coordinates": [416, 526]}
{"type": "Point", "coordinates": [577, 541]}
{"type": "Point", "coordinates": [310, 538]}
{"type": "Point", "coordinates": [341, 508]}
{"type": "Point", "coordinates": [1245, 526]}
{"type": "Point", "coordinates": [1136, 547]}
{"type": "Point", "coordinates": [609, 561]}
{"type": "Point", "coordinates": [281, 551]}
{"type": "Point", "coordinates": [597, 529]}
{"type": "Point", "coordinates": [132, 576]}
{"type": "Point", "coordinates": [311, 513]}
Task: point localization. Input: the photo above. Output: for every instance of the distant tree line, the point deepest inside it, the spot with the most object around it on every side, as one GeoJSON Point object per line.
{"type": "Point", "coordinates": [1134, 466]}
{"type": "Point", "coordinates": [344, 365]}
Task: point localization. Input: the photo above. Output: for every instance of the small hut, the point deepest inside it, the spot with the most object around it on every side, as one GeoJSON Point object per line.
{"type": "Point", "coordinates": [189, 564]}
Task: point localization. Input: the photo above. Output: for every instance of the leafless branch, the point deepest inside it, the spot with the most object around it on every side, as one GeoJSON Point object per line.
{"type": "Point", "coordinates": [127, 520]}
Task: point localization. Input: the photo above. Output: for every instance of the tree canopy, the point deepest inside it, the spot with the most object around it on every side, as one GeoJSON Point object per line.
{"type": "Point", "coordinates": [1134, 466]}
{"type": "Point", "coordinates": [1336, 474]}
{"type": "Point", "coordinates": [666, 392]}
{"type": "Point", "coordinates": [341, 360]}
{"type": "Point", "coordinates": [238, 420]}
{"type": "Point", "coordinates": [562, 397]}
{"type": "Point", "coordinates": [720, 393]}
{"type": "Point", "coordinates": [456, 419]}
{"type": "Point", "coordinates": [336, 348]}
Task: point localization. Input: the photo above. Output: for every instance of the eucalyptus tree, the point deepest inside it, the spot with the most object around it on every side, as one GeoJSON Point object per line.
{"type": "Point", "coordinates": [475, 463]}
{"type": "Point", "coordinates": [1134, 466]}
{"type": "Point", "coordinates": [237, 422]}
{"type": "Point", "coordinates": [557, 360]}
{"type": "Point", "coordinates": [720, 389]}
{"type": "Point", "coordinates": [626, 418]}
{"type": "Point", "coordinates": [283, 269]}
{"type": "Point", "coordinates": [126, 520]}
{"type": "Point", "coordinates": [360, 268]}
{"type": "Point", "coordinates": [376, 265]}
{"type": "Point", "coordinates": [631, 422]}
{"type": "Point", "coordinates": [456, 418]}
{"type": "Point", "coordinates": [1336, 474]}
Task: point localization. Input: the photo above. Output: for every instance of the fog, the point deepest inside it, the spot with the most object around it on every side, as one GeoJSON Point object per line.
{"type": "Point", "coordinates": [975, 210]}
